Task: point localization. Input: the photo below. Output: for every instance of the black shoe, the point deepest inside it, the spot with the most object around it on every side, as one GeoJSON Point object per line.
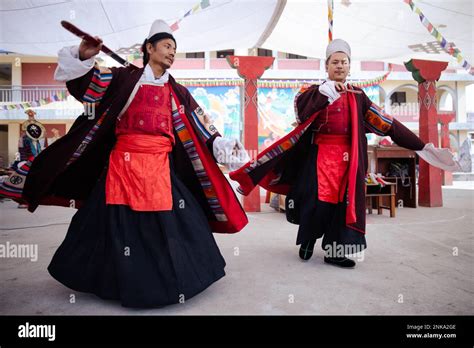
{"type": "Point", "coordinates": [343, 262]}
{"type": "Point", "coordinates": [306, 249]}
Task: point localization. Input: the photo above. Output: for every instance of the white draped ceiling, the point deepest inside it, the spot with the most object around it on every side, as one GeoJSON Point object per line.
{"type": "Point", "coordinates": [380, 30]}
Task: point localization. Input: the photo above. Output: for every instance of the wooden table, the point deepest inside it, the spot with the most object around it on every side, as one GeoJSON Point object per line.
{"type": "Point", "coordinates": [378, 192]}
{"type": "Point", "coordinates": [380, 158]}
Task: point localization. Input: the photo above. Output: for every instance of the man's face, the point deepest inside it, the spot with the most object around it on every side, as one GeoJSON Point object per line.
{"type": "Point", "coordinates": [162, 52]}
{"type": "Point", "coordinates": [338, 67]}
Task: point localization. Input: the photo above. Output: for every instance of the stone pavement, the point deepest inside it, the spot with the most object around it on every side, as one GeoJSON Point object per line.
{"type": "Point", "coordinates": [420, 262]}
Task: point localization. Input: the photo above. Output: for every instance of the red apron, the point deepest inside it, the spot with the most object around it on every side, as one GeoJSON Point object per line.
{"type": "Point", "coordinates": [332, 166]}
{"type": "Point", "coordinates": [139, 172]}
{"type": "Point", "coordinates": [332, 135]}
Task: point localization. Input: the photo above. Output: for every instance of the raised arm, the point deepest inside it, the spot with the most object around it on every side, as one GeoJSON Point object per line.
{"type": "Point", "coordinates": [85, 80]}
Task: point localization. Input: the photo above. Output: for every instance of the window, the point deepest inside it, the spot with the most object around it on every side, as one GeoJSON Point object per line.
{"type": "Point", "coordinates": [5, 74]}
{"type": "Point", "coordinates": [295, 56]}
{"type": "Point", "coordinates": [195, 55]}
{"type": "Point", "coordinates": [398, 98]}
{"type": "Point", "coordinates": [262, 52]}
{"type": "Point", "coordinates": [225, 53]}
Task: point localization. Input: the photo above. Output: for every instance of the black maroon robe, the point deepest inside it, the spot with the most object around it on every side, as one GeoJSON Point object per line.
{"type": "Point", "coordinates": [66, 172]}
{"type": "Point", "coordinates": [277, 167]}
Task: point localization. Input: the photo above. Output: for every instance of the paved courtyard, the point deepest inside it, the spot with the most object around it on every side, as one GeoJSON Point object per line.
{"type": "Point", "coordinates": [420, 262]}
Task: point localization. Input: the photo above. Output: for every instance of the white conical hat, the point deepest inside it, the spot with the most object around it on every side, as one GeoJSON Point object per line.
{"type": "Point", "coordinates": [159, 26]}
{"type": "Point", "coordinates": [338, 45]}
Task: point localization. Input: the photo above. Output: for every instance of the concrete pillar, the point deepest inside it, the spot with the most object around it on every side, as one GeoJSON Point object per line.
{"type": "Point", "coordinates": [426, 73]}
{"type": "Point", "coordinates": [460, 102]}
{"type": "Point", "coordinates": [16, 79]}
{"type": "Point", "coordinates": [13, 138]}
{"type": "Point", "coordinates": [445, 119]}
{"type": "Point", "coordinates": [275, 62]}
{"type": "Point", "coordinates": [207, 60]}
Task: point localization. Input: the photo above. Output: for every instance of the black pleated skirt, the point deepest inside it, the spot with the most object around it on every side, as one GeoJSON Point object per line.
{"type": "Point", "coordinates": [317, 218]}
{"type": "Point", "coordinates": [142, 259]}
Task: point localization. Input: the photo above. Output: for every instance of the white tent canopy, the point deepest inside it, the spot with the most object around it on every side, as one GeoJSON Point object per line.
{"type": "Point", "coordinates": [379, 30]}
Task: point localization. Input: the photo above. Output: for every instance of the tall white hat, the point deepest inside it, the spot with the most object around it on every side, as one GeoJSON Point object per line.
{"type": "Point", "coordinates": [160, 30]}
{"type": "Point", "coordinates": [159, 26]}
{"type": "Point", "coordinates": [338, 45]}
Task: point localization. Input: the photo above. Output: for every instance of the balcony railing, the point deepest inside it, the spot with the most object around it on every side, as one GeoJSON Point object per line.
{"type": "Point", "coordinates": [28, 93]}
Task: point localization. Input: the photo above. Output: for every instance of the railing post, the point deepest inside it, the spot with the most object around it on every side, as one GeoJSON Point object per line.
{"type": "Point", "coordinates": [16, 94]}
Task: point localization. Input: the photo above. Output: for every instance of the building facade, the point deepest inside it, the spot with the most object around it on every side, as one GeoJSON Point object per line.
{"type": "Point", "coordinates": [27, 82]}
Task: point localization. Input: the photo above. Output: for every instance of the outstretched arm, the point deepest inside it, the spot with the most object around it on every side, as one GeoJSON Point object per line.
{"type": "Point", "coordinates": [226, 151]}
{"type": "Point", "coordinates": [378, 122]}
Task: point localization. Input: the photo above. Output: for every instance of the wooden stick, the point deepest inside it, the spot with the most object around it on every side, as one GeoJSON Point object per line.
{"type": "Point", "coordinates": [352, 91]}
{"type": "Point", "coordinates": [87, 37]}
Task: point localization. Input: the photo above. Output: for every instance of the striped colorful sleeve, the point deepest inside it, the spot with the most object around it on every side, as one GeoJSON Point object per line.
{"type": "Point", "coordinates": [201, 119]}
{"type": "Point", "coordinates": [204, 123]}
{"type": "Point", "coordinates": [377, 121]}
{"type": "Point", "coordinates": [98, 85]}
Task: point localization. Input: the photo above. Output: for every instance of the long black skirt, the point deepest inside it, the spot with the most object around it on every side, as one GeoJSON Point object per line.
{"type": "Point", "coordinates": [142, 259]}
{"type": "Point", "coordinates": [317, 218]}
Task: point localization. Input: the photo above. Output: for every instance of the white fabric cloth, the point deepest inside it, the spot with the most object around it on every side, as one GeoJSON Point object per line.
{"type": "Point", "coordinates": [338, 45]}
{"type": "Point", "coordinates": [230, 152]}
{"type": "Point", "coordinates": [70, 67]}
{"type": "Point", "coordinates": [440, 158]}
{"type": "Point", "coordinates": [328, 88]}
{"type": "Point", "coordinates": [149, 76]}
